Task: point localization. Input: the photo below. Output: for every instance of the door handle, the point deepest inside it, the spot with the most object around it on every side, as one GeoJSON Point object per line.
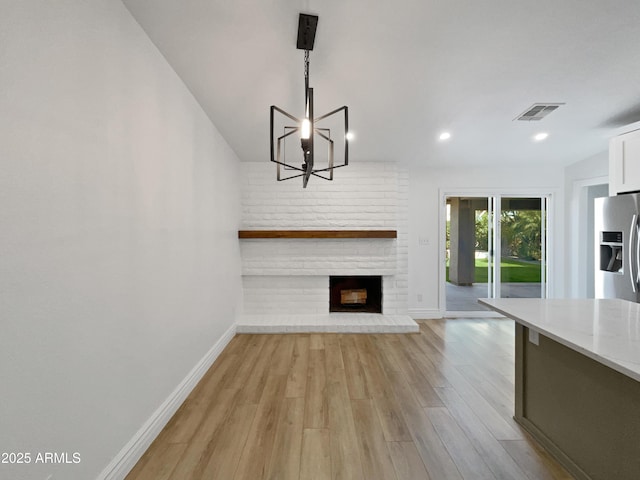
{"type": "Point", "coordinates": [637, 277]}
{"type": "Point", "coordinates": [633, 233]}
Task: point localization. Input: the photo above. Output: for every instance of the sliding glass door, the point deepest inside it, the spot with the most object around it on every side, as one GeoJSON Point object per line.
{"type": "Point", "coordinates": [521, 249]}
{"type": "Point", "coordinates": [495, 248]}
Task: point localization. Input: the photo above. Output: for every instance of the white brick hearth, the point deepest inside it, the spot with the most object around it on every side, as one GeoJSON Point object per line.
{"type": "Point", "coordinates": [286, 281]}
{"type": "Point", "coordinates": [331, 323]}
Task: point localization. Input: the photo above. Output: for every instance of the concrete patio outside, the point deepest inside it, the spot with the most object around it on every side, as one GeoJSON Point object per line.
{"type": "Point", "coordinates": [465, 298]}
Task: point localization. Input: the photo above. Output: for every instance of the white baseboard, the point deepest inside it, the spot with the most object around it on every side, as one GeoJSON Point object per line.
{"type": "Point", "coordinates": [127, 458]}
{"type": "Point", "coordinates": [424, 313]}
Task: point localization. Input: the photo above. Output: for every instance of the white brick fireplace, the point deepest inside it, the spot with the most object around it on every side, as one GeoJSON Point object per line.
{"type": "Point", "coordinates": [286, 281]}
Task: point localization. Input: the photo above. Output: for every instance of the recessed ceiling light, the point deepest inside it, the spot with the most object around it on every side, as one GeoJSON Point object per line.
{"type": "Point", "coordinates": [444, 136]}
{"type": "Point", "coordinates": [350, 136]}
{"type": "Point", "coordinates": [538, 137]}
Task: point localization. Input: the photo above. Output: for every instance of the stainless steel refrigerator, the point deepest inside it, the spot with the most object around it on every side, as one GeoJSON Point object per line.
{"type": "Point", "coordinates": [617, 247]}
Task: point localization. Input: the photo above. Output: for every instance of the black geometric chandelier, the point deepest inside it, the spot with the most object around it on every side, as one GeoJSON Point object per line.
{"type": "Point", "coordinates": [312, 131]}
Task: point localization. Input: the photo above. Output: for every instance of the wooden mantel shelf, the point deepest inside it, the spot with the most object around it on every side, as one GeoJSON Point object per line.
{"type": "Point", "coordinates": [317, 234]}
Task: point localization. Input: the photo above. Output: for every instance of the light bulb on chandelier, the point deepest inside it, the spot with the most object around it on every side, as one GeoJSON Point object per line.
{"type": "Point", "coordinates": [305, 129]}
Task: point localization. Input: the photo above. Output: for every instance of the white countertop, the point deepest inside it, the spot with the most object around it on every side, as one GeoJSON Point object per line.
{"type": "Point", "coordinates": [607, 331]}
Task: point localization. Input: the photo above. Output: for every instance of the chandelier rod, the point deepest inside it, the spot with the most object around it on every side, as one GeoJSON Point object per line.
{"type": "Point", "coordinates": [306, 79]}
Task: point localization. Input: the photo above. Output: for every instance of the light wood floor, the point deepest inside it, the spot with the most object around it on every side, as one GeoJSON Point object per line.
{"type": "Point", "coordinates": [434, 405]}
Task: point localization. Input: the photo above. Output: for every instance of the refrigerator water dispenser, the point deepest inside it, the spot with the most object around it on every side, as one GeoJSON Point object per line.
{"type": "Point", "coordinates": [611, 252]}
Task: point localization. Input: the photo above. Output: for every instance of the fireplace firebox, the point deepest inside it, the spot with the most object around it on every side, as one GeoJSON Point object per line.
{"type": "Point", "coordinates": [356, 293]}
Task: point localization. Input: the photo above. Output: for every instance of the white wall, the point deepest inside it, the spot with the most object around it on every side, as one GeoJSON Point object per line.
{"type": "Point", "coordinates": [581, 180]}
{"type": "Point", "coordinates": [425, 207]}
{"type": "Point", "coordinates": [119, 206]}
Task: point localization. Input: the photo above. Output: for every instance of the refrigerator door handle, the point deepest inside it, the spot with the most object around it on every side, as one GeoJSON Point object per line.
{"type": "Point", "coordinates": [633, 242]}
{"type": "Point", "coordinates": [637, 277]}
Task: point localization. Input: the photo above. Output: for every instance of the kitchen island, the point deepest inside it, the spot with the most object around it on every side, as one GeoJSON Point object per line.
{"type": "Point", "coordinates": [578, 381]}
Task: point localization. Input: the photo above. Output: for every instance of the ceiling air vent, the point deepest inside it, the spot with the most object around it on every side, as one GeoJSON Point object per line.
{"type": "Point", "coordinates": [538, 111]}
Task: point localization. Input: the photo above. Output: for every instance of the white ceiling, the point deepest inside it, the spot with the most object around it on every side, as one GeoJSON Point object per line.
{"type": "Point", "coordinates": [409, 69]}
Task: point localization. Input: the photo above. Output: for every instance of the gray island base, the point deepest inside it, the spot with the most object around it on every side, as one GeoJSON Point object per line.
{"type": "Point", "coordinates": [578, 381]}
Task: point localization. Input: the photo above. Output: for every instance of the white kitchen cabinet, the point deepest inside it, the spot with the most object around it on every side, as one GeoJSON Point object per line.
{"type": "Point", "coordinates": [624, 163]}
